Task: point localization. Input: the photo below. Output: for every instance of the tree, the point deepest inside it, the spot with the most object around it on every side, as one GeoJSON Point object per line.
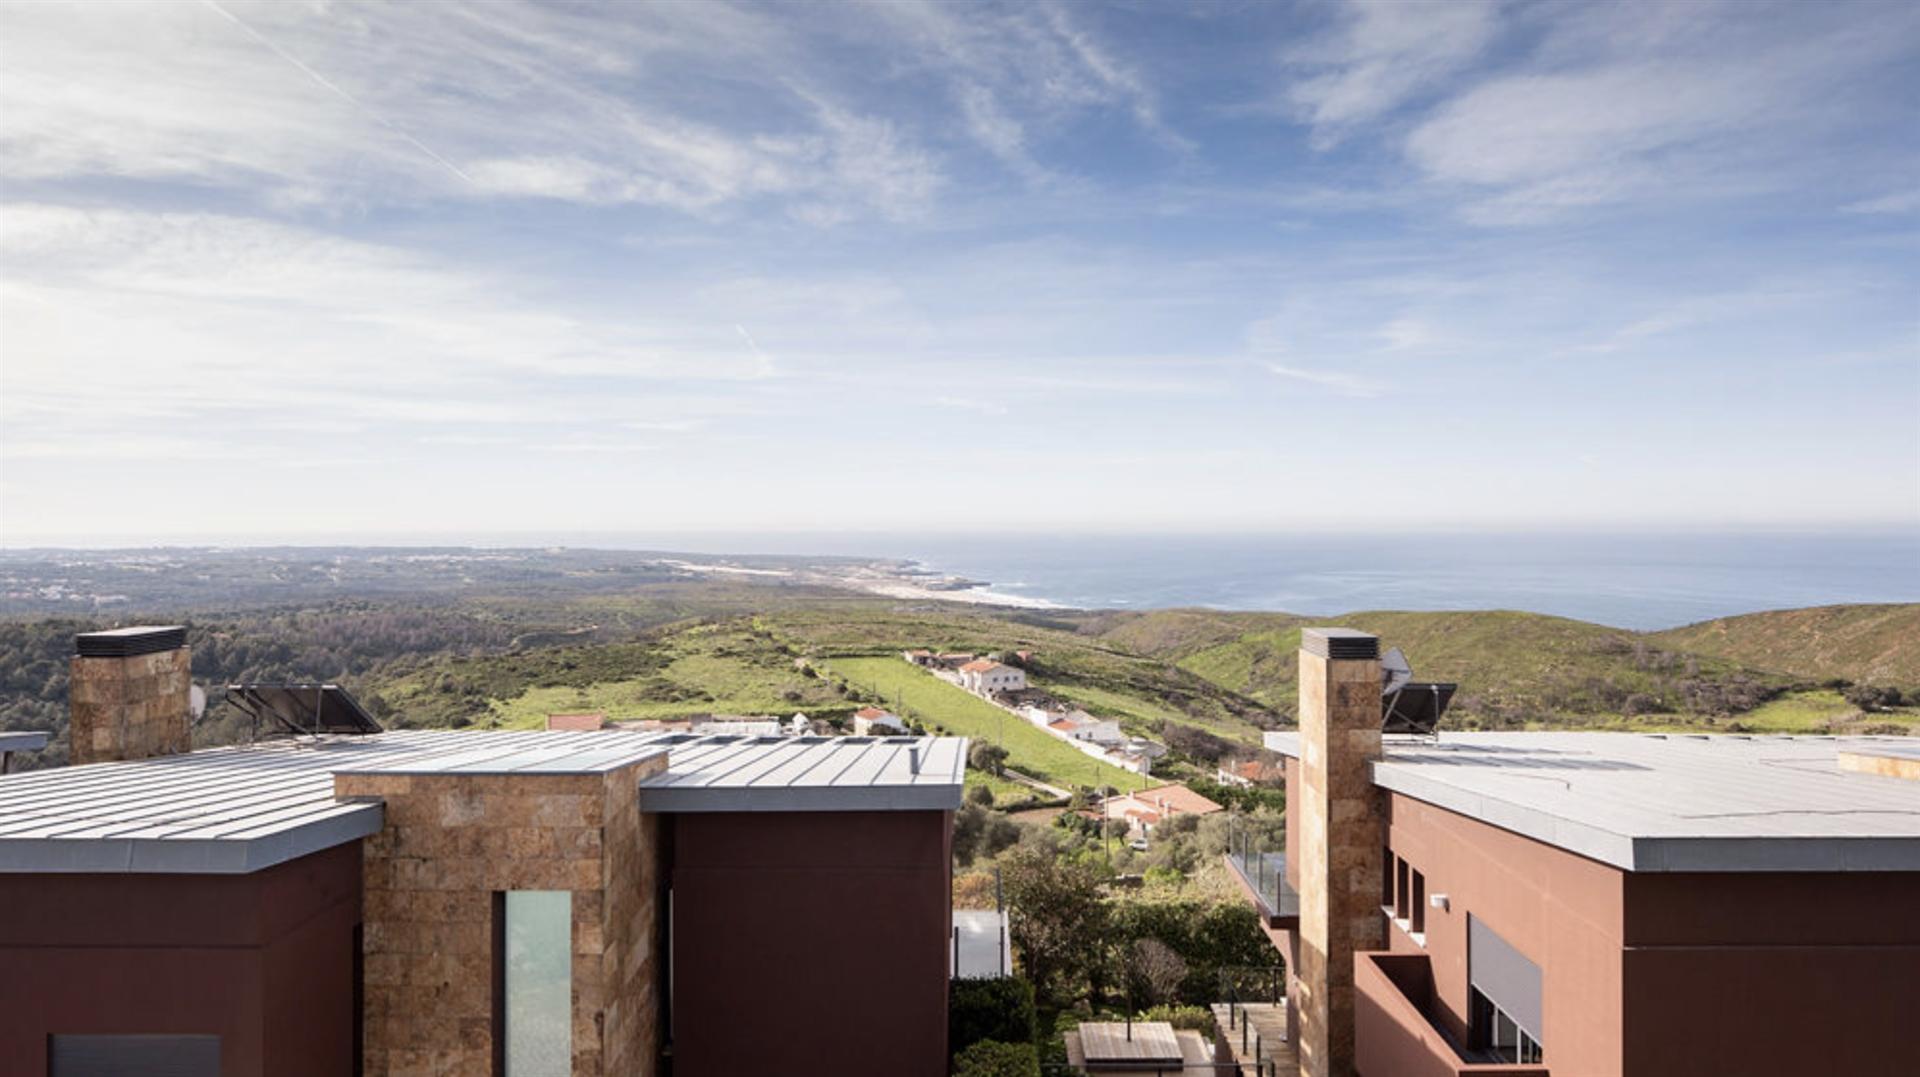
{"type": "Point", "coordinates": [1000, 1008]}
{"type": "Point", "coordinates": [987, 757]}
{"type": "Point", "coordinates": [1154, 971]}
{"type": "Point", "coordinates": [992, 1058]}
{"type": "Point", "coordinates": [981, 795]}
{"type": "Point", "coordinates": [978, 832]}
{"type": "Point", "coordinates": [1058, 920]}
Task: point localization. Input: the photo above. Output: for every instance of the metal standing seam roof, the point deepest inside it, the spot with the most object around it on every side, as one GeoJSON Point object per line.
{"type": "Point", "coordinates": [241, 809]}
{"type": "Point", "coordinates": [1668, 802]}
{"type": "Point", "coordinates": [809, 774]}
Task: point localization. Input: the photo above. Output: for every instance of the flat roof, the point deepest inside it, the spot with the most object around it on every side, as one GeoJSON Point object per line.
{"type": "Point", "coordinates": [1668, 802]}
{"type": "Point", "coordinates": [241, 809]}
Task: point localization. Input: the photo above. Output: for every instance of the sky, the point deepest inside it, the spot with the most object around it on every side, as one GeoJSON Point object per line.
{"type": "Point", "coordinates": [314, 269]}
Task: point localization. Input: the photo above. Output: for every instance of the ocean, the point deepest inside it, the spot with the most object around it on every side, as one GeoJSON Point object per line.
{"type": "Point", "coordinates": [1640, 581]}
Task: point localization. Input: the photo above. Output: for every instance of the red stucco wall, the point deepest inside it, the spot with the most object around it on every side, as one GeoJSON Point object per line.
{"type": "Point", "coordinates": [1563, 912]}
{"type": "Point", "coordinates": [1675, 975]}
{"type": "Point", "coordinates": [264, 961]}
{"type": "Point", "coordinates": [1772, 973]}
{"type": "Point", "coordinates": [811, 943]}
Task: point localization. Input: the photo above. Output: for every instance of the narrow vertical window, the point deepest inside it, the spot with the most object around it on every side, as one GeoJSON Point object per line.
{"type": "Point", "coordinates": [1400, 891]}
{"type": "Point", "coordinates": [533, 978]}
{"type": "Point", "coordinates": [1418, 912]}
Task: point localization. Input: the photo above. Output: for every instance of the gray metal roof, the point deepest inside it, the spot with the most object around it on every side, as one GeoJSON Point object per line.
{"type": "Point", "coordinates": [240, 809]}
{"type": "Point", "coordinates": [1668, 802]}
{"type": "Point", "coordinates": [809, 774]}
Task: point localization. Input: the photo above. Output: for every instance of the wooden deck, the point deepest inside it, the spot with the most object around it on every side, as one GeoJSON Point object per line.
{"type": "Point", "coordinates": [1196, 1059]}
{"type": "Point", "coordinates": [1266, 1020]}
{"type": "Point", "coordinates": [1121, 1044]}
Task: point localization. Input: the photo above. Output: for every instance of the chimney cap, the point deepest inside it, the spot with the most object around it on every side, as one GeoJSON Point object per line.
{"type": "Point", "coordinates": [125, 642]}
{"type": "Point", "coordinates": [1339, 643]}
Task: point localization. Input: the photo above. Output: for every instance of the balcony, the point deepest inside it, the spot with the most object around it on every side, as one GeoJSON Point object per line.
{"type": "Point", "coordinates": [1394, 1034]}
{"type": "Point", "coordinates": [1263, 872]}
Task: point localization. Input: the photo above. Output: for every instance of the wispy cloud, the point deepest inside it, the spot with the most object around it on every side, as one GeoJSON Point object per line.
{"type": "Point", "coordinates": [1336, 381]}
{"type": "Point", "coordinates": [1598, 105]}
{"type": "Point", "coordinates": [1382, 54]}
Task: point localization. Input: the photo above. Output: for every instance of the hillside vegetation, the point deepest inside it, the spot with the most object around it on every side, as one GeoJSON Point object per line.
{"type": "Point", "coordinates": [1207, 683]}
{"type": "Point", "coordinates": [1514, 669]}
{"type": "Point", "coordinates": [1868, 644]}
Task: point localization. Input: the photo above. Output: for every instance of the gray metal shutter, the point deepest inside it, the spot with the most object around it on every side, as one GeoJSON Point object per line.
{"type": "Point", "coordinates": [1504, 975]}
{"type": "Point", "coordinates": [133, 1056]}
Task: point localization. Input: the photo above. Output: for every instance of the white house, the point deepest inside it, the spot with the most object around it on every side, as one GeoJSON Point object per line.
{"type": "Point", "coordinates": [874, 722]}
{"type": "Point", "coordinates": [985, 677]}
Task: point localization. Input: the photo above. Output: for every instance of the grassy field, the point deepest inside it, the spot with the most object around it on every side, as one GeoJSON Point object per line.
{"type": "Point", "coordinates": [930, 700]}
{"type": "Point", "coordinates": [702, 669]}
{"type": "Point", "coordinates": [1143, 715]}
{"type": "Point", "coordinates": [1005, 792]}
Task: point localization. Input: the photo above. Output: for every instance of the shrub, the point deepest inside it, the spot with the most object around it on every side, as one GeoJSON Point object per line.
{"type": "Point", "coordinates": [989, 1010]}
{"type": "Point", "coordinates": [1872, 697]}
{"type": "Point", "coordinates": [981, 795]}
{"type": "Point", "coordinates": [992, 1058]}
{"type": "Point", "coordinates": [988, 757]}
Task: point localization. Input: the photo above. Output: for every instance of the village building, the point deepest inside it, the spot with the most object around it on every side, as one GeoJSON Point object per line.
{"type": "Point", "coordinates": [584, 721]}
{"type": "Point", "coordinates": [1248, 773]}
{"type": "Point", "coordinates": [1148, 808]}
{"type": "Point", "coordinates": [872, 721]}
{"type": "Point", "coordinates": [986, 677]}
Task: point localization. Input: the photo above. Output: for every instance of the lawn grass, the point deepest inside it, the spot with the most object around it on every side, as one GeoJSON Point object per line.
{"type": "Point", "coordinates": [1139, 715]}
{"type": "Point", "coordinates": [1797, 712]}
{"type": "Point", "coordinates": [929, 700]}
{"type": "Point", "coordinates": [1004, 791]}
{"type": "Point", "coordinates": [708, 670]}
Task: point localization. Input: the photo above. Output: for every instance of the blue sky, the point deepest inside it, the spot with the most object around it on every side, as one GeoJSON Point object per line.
{"type": "Point", "coordinates": [290, 269]}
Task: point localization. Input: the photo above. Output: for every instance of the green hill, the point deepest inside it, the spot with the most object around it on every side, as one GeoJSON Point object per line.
{"type": "Point", "coordinates": [1872, 644]}
{"type": "Point", "coordinates": [1513, 668]}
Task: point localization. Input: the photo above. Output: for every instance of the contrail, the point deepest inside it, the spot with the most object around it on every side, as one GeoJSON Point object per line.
{"type": "Point", "coordinates": [343, 95]}
{"type": "Point", "coordinates": [766, 362]}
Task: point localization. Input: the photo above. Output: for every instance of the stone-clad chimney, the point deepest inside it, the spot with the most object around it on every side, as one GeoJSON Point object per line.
{"type": "Point", "coordinates": [1340, 838]}
{"type": "Point", "coordinates": [130, 694]}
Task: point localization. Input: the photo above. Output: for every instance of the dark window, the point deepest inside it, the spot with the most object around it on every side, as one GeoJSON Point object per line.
{"type": "Point", "coordinates": [148, 1056]}
{"type": "Point", "coordinates": [1495, 1036]}
{"type": "Point", "coordinates": [1504, 1005]}
{"type": "Point", "coordinates": [1418, 903]}
{"type": "Point", "coordinates": [1386, 879]}
{"type": "Point", "coordinates": [359, 1000]}
{"type": "Point", "coordinates": [1400, 890]}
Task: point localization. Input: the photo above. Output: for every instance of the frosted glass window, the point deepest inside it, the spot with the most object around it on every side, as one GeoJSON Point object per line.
{"type": "Point", "coordinates": [538, 980]}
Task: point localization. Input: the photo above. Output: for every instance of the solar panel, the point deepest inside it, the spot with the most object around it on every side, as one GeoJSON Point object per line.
{"type": "Point", "coordinates": [303, 708]}
{"type": "Point", "coordinates": [1416, 708]}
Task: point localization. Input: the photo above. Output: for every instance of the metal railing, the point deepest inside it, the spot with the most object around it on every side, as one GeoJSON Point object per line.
{"type": "Point", "coordinates": [1240, 1030]}
{"type": "Point", "coordinates": [1218, 1069]}
{"type": "Point", "coordinates": [1264, 869]}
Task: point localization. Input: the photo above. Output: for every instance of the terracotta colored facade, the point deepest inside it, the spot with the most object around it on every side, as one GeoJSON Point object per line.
{"type": "Point", "coordinates": [451, 842]}
{"type": "Point", "coordinates": [1643, 974]}
{"type": "Point", "coordinates": [792, 927]}
{"type": "Point", "coordinates": [265, 961]}
{"type": "Point", "coordinates": [132, 707]}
